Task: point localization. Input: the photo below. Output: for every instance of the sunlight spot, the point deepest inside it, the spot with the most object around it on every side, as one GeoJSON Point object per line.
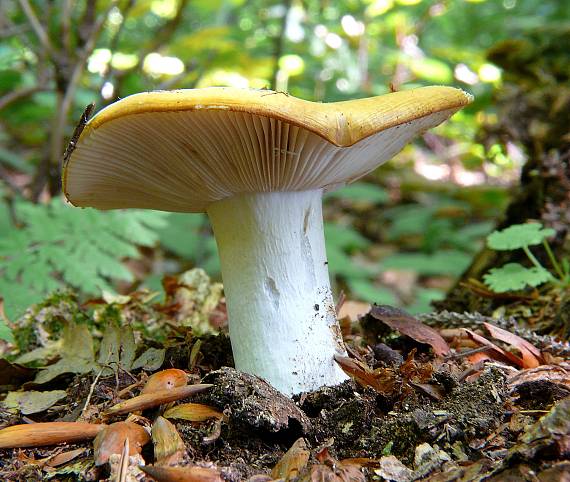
{"type": "Point", "coordinates": [156, 64]}
{"type": "Point", "coordinates": [333, 40]}
{"type": "Point", "coordinates": [97, 63]}
{"type": "Point", "coordinates": [164, 8]}
{"type": "Point", "coordinates": [379, 7]}
{"type": "Point", "coordinates": [465, 74]}
{"type": "Point", "coordinates": [352, 27]}
{"type": "Point", "coordinates": [107, 90]}
{"type": "Point", "coordinates": [489, 73]}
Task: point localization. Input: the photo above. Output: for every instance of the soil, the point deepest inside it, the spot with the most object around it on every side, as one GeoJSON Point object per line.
{"type": "Point", "coordinates": [418, 417]}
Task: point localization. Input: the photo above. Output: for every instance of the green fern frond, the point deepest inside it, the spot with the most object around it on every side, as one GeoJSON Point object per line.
{"type": "Point", "coordinates": [48, 246]}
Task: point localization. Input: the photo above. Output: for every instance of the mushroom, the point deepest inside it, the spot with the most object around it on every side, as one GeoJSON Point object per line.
{"type": "Point", "coordinates": [257, 162]}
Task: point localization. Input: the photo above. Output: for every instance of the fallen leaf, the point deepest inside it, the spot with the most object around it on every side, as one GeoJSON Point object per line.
{"type": "Point", "coordinates": [48, 433]}
{"type": "Point", "coordinates": [150, 400]}
{"type": "Point", "coordinates": [336, 472]}
{"type": "Point", "coordinates": [406, 324]}
{"type": "Point", "coordinates": [544, 373]}
{"type": "Point", "coordinates": [392, 469]}
{"type": "Point", "coordinates": [532, 357]}
{"type": "Point", "coordinates": [77, 354]}
{"type": "Point", "coordinates": [411, 370]}
{"type": "Point", "coordinates": [165, 380]}
{"type": "Point", "coordinates": [330, 469]}
{"type": "Point", "coordinates": [54, 460]}
{"type": "Point", "coordinates": [32, 401]}
{"type": "Point", "coordinates": [496, 352]}
{"type": "Point", "coordinates": [64, 457]}
{"type": "Point", "coordinates": [551, 431]}
{"type": "Point", "coordinates": [353, 310]}
{"type": "Point", "coordinates": [434, 391]}
{"type": "Point", "coordinates": [292, 462]}
{"type": "Point", "coordinates": [383, 380]}
{"type": "Point", "coordinates": [111, 440]}
{"type": "Point", "coordinates": [182, 474]}
{"type": "Point", "coordinates": [13, 374]}
{"type": "Point", "coordinates": [169, 448]}
{"type": "Point", "coordinates": [117, 349]}
{"type": "Point", "coordinates": [194, 412]}
{"type": "Point", "coordinates": [151, 359]}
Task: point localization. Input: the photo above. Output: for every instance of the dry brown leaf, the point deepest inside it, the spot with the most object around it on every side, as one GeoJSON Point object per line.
{"type": "Point", "coordinates": [294, 460]}
{"type": "Point", "coordinates": [382, 380]}
{"type": "Point", "coordinates": [406, 324]}
{"type": "Point", "coordinates": [64, 457]}
{"type": "Point", "coordinates": [391, 468]}
{"type": "Point", "coordinates": [353, 310]}
{"type": "Point", "coordinates": [194, 412]}
{"type": "Point", "coordinates": [532, 357]}
{"type": "Point", "coordinates": [434, 391]}
{"type": "Point", "coordinates": [415, 371]}
{"type": "Point", "coordinates": [361, 462]}
{"type": "Point", "coordinates": [331, 470]}
{"type": "Point", "coordinates": [169, 448]}
{"type": "Point", "coordinates": [149, 400]}
{"type": "Point", "coordinates": [334, 473]}
{"type": "Point", "coordinates": [165, 380]}
{"type": "Point", "coordinates": [549, 373]}
{"type": "Point", "coordinates": [111, 440]}
{"type": "Point", "coordinates": [182, 474]}
{"type": "Point", "coordinates": [54, 460]}
{"type": "Point", "coordinates": [48, 433]}
{"type": "Point", "coordinates": [494, 351]}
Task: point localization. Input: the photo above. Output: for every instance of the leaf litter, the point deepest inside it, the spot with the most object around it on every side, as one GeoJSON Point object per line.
{"type": "Point", "coordinates": [97, 382]}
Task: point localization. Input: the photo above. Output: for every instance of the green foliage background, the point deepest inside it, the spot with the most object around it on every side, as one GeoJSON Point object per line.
{"type": "Point", "coordinates": [58, 56]}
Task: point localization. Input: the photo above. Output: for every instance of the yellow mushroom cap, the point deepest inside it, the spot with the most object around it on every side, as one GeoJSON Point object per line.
{"type": "Point", "coordinates": [182, 150]}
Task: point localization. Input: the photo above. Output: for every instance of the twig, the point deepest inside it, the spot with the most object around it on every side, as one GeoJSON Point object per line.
{"type": "Point", "coordinates": [37, 27]}
{"type": "Point", "coordinates": [16, 95]}
{"type": "Point", "coordinates": [66, 100]}
{"type": "Point", "coordinates": [66, 27]}
{"type": "Point", "coordinates": [465, 353]}
{"type": "Point", "coordinates": [91, 390]}
{"type": "Point", "coordinates": [124, 464]}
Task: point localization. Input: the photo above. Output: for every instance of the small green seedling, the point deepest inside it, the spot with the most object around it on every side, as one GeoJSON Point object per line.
{"type": "Point", "coordinates": [514, 276]}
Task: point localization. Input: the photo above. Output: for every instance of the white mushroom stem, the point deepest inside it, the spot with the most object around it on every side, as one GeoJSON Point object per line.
{"type": "Point", "coordinates": [282, 319]}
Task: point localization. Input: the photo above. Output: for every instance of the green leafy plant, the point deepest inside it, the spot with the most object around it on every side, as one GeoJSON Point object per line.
{"type": "Point", "coordinates": [514, 276]}
{"type": "Point", "coordinates": [49, 246]}
{"type": "Point", "coordinates": [361, 192]}
{"type": "Point", "coordinates": [5, 332]}
{"type": "Point", "coordinates": [189, 237]}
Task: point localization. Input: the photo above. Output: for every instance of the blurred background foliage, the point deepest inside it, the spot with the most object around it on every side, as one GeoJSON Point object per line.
{"type": "Point", "coordinates": [400, 236]}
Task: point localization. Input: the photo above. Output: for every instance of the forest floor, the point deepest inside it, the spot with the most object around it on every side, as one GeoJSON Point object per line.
{"type": "Point", "coordinates": [443, 397]}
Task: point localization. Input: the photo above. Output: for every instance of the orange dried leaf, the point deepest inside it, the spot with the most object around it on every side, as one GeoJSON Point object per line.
{"type": "Point", "coordinates": [149, 400]}
{"type": "Point", "coordinates": [194, 412]}
{"type": "Point", "coordinates": [532, 357]}
{"type": "Point", "coordinates": [406, 324]}
{"type": "Point", "coordinates": [380, 380]}
{"type": "Point", "coordinates": [182, 474]}
{"type": "Point", "coordinates": [165, 380]}
{"type": "Point", "coordinates": [112, 439]}
{"type": "Point", "coordinates": [494, 351]}
{"type": "Point", "coordinates": [48, 433]}
{"type": "Point", "coordinates": [64, 457]}
{"type": "Point", "coordinates": [294, 460]}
